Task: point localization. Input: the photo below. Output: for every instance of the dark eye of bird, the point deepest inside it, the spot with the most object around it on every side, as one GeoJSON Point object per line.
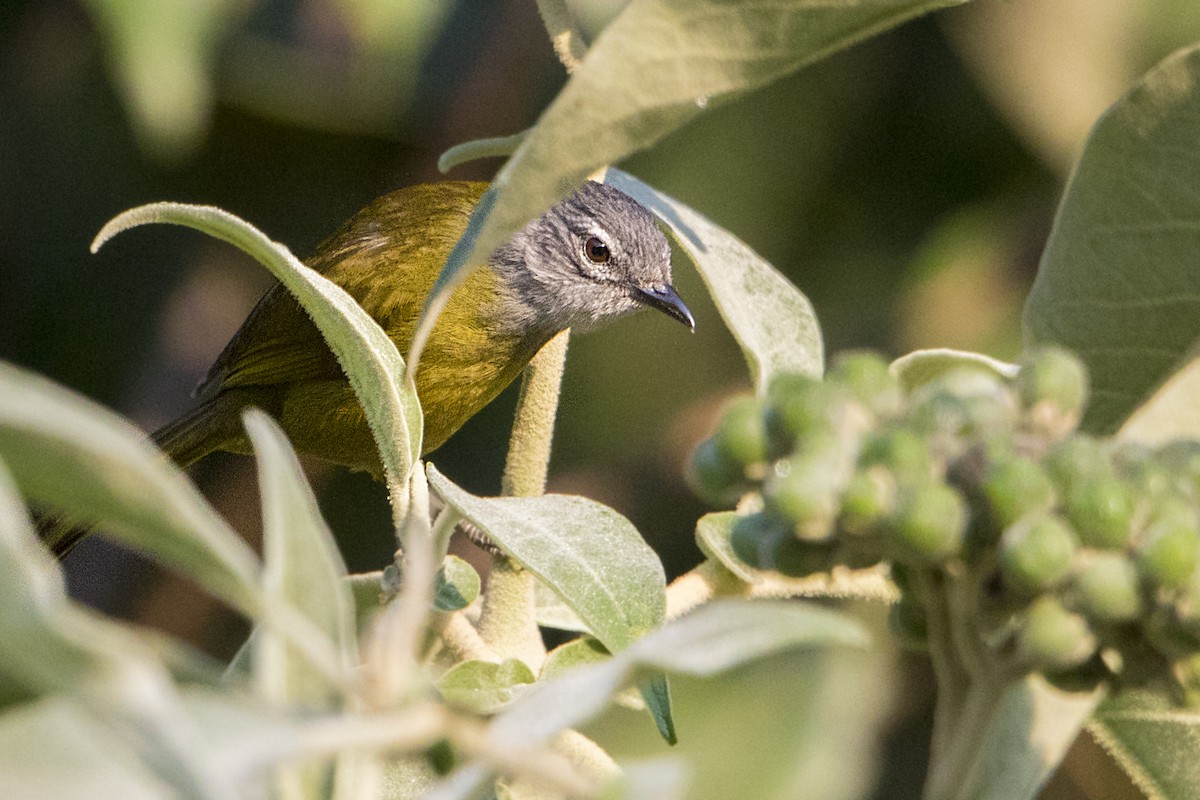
{"type": "Point", "coordinates": [596, 250]}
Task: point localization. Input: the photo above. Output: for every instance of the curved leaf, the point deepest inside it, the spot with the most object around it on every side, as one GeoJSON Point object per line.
{"type": "Point", "coordinates": [79, 457]}
{"type": "Point", "coordinates": [922, 366]}
{"type": "Point", "coordinates": [657, 65]}
{"type": "Point", "coordinates": [457, 585]}
{"type": "Point", "coordinates": [1153, 741]}
{"type": "Point", "coordinates": [591, 556]}
{"type": "Point", "coordinates": [771, 319]}
{"type": "Point", "coordinates": [370, 359]}
{"type": "Point", "coordinates": [717, 636]}
{"type": "Point", "coordinates": [1117, 283]}
{"type": "Point", "coordinates": [483, 686]}
{"type": "Point", "coordinates": [302, 568]}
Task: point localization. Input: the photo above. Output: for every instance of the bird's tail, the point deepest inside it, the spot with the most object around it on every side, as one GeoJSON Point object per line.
{"type": "Point", "coordinates": [211, 426]}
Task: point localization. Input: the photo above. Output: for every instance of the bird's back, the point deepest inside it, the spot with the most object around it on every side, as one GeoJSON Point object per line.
{"type": "Point", "coordinates": [387, 257]}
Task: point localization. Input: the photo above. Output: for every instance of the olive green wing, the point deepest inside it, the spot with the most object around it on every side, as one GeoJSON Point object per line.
{"type": "Point", "coordinates": [387, 256]}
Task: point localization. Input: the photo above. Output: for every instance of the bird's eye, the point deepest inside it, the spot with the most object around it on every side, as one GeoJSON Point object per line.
{"type": "Point", "coordinates": [596, 250]}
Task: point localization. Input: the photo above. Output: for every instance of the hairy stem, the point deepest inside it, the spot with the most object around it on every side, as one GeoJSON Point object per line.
{"type": "Point", "coordinates": [509, 624]}
{"type": "Point", "coordinates": [564, 34]}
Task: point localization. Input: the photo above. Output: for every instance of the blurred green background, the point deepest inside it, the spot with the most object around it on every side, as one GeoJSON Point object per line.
{"type": "Point", "coordinates": [906, 185]}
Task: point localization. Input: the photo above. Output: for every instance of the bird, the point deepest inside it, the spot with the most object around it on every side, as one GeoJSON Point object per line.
{"type": "Point", "coordinates": [594, 257]}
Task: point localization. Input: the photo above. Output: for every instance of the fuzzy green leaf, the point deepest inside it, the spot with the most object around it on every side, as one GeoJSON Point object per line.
{"type": "Point", "coordinates": [1117, 283]}
{"type": "Point", "coordinates": [483, 686]}
{"type": "Point", "coordinates": [1028, 738]}
{"type": "Point", "coordinates": [642, 79]}
{"type": "Point", "coordinates": [581, 652]}
{"type": "Point", "coordinates": [771, 319]}
{"type": "Point", "coordinates": [716, 637]}
{"type": "Point", "coordinates": [590, 555]}
{"type": "Point", "coordinates": [370, 359]}
{"type": "Point", "coordinates": [302, 567]}
{"type": "Point", "coordinates": [77, 457]}
{"type": "Point", "coordinates": [1153, 741]}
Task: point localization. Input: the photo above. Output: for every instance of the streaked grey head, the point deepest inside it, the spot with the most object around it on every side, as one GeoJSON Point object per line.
{"type": "Point", "coordinates": [595, 256]}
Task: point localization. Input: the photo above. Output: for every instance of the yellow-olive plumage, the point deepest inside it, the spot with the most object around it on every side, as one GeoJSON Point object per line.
{"type": "Point", "coordinates": [595, 256]}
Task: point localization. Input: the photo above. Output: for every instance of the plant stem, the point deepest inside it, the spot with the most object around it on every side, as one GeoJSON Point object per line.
{"type": "Point", "coordinates": [533, 427]}
{"type": "Point", "coordinates": [564, 35]}
{"type": "Point", "coordinates": [508, 623]}
{"type": "Point", "coordinates": [953, 763]}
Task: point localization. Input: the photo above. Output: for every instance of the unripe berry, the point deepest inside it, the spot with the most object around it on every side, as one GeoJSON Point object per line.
{"type": "Point", "coordinates": [1052, 639]}
{"type": "Point", "coordinates": [796, 559]}
{"type": "Point", "coordinates": [1076, 458]}
{"type": "Point", "coordinates": [867, 500]}
{"type": "Point", "coordinates": [1169, 548]}
{"type": "Point", "coordinates": [714, 477]}
{"type": "Point", "coordinates": [741, 436]}
{"type": "Point", "coordinates": [1015, 487]}
{"type": "Point", "coordinates": [929, 524]}
{"type": "Point", "coordinates": [1036, 553]}
{"type": "Point", "coordinates": [804, 491]}
{"type": "Point", "coordinates": [1100, 507]}
{"type": "Point", "coordinates": [1052, 385]}
{"type": "Point", "coordinates": [1107, 589]}
{"type": "Point", "coordinates": [755, 537]}
{"type": "Point", "coordinates": [799, 408]}
{"type": "Point", "coordinates": [867, 376]}
{"type": "Point", "coordinates": [905, 454]}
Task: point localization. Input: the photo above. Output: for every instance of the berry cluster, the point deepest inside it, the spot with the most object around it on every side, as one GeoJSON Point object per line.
{"type": "Point", "coordinates": [1081, 555]}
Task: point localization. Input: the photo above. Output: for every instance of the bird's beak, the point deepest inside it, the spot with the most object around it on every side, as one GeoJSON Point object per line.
{"type": "Point", "coordinates": [666, 301]}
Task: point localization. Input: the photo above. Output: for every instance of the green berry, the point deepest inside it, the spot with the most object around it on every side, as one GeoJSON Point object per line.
{"type": "Point", "coordinates": [1107, 589]}
{"type": "Point", "coordinates": [908, 622]}
{"type": "Point", "coordinates": [1169, 549]}
{"type": "Point", "coordinates": [867, 376]}
{"type": "Point", "coordinates": [901, 451]}
{"type": "Point", "coordinates": [714, 477]}
{"type": "Point", "coordinates": [940, 412]}
{"type": "Point", "coordinates": [799, 408]}
{"type": "Point", "coordinates": [867, 500]}
{"type": "Point", "coordinates": [756, 536]}
{"type": "Point", "coordinates": [1076, 458]}
{"type": "Point", "coordinates": [1036, 553]}
{"type": "Point", "coordinates": [1053, 639]}
{"type": "Point", "coordinates": [1100, 507]}
{"type": "Point", "coordinates": [1051, 375]}
{"type": "Point", "coordinates": [796, 559]}
{"type": "Point", "coordinates": [741, 436]}
{"type": "Point", "coordinates": [1146, 475]}
{"type": "Point", "coordinates": [440, 756]}
{"type": "Point", "coordinates": [804, 492]}
{"type": "Point", "coordinates": [1015, 487]}
{"type": "Point", "coordinates": [929, 524]}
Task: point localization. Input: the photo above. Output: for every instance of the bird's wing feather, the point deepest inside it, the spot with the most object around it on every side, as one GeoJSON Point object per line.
{"type": "Point", "coordinates": [410, 229]}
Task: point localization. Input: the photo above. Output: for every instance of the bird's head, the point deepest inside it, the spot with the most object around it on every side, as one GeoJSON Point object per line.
{"type": "Point", "coordinates": [595, 256]}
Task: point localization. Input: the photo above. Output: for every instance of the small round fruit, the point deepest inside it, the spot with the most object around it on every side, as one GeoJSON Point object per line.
{"type": "Point", "coordinates": [867, 376]}
{"type": "Point", "coordinates": [1036, 553]}
{"type": "Point", "coordinates": [741, 436]}
{"type": "Point", "coordinates": [1169, 549]}
{"type": "Point", "coordinates": [798, 408]}
{"type": "Point", "coordinates": [804, 492]}
{"type": "Point", "coordinates": [1015, 487]}
{"type": "Point", "coordinates": [755, 536]}
{"type": "Point", "coordinates": [868, 498]}
{"type": "Point", "coordinates": [1107, 589]}
{"type": "Point", "coordinates": [714, 477]}
{"type": "Point", "coordinates": [797, 559]}
{"type": "Point", "coordinates": [1052, 639]}
{"type": "Point", "coordinates": [1053, 375]}
{"type": "Point", "coordinates": [929, 524]}
{"type": "Point", "coordinates": [1182, 459]}
{"type": "Point", "coordinates": [1100, 507]}
{"type": "Point", "coordinates": [901, 451]}
{"type": "Point", "coordinates": [1076, 458]}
